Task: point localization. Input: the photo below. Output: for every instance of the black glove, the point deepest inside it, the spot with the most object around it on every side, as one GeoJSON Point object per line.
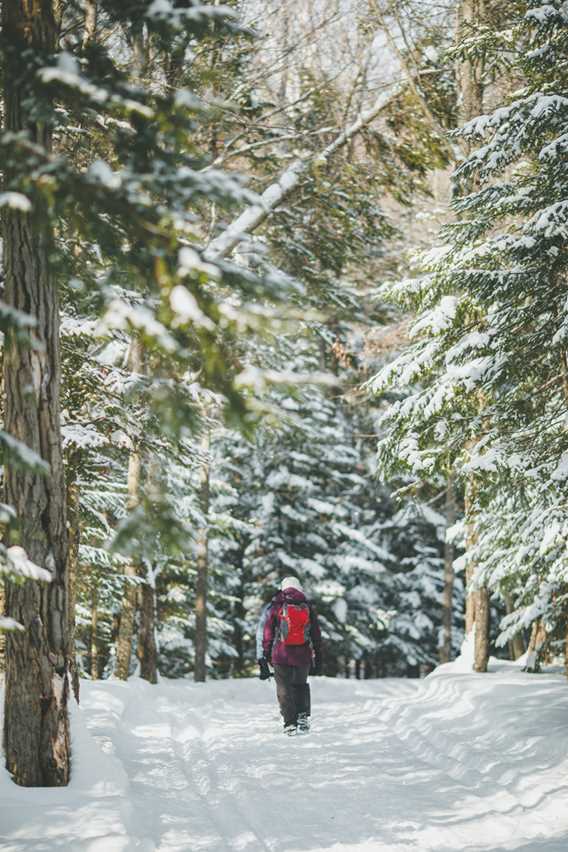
{"type": "Point", "coordinates": [265, 672]}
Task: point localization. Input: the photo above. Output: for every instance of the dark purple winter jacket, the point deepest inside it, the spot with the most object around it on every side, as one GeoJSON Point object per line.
{"type": "Point", "coordinates": [289, 655]}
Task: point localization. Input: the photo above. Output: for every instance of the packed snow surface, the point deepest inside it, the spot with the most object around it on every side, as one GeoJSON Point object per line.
{"type": "Point", "coordinates": [455, 762]}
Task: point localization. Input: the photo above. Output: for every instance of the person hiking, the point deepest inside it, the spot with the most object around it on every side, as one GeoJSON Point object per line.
{"type": "Point", "coordinates": [289, 637]}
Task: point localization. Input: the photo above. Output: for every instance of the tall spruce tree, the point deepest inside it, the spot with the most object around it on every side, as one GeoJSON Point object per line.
{"type": "Point", "coordinates": [486, 373]}
{"type": "Point", "coordinates": [131, 205]}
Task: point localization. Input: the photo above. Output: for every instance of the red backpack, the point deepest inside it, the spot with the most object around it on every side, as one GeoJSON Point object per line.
{"type": "Point", "coordinates": [294, 623]}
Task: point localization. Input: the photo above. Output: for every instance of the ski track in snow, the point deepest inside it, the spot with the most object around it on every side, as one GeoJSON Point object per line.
{"type": "Point", "coordinates": [453, 763]}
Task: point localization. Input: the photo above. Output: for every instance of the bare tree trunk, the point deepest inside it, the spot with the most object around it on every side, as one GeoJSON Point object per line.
{"type": "Point", "coordinates": [74, 532]}
{"type": "Point", "coordinates": [140, 50]}
{"type": "Point", "coordinates": [147, 648]}
{"type": "Point", "coordinates": [239, 615]}
{"type": "Point", "coordinates": [90, 33]}
{"type": "Point", "coordinates": [469, 601]}
{"type": "Point", "coordinates": [2, 634]}
{"type": "Point", "coordinates": [445, 651]}
{"type": "Point", "coordinates": [200, 672]}
{"type": "Point", "coordinates": [129, 600]}
{"type": "Point", "coordinates": [469, 73]}
{"type": "Point", "coordinates": [481, 658]}
{"type": "Point", "coordinates": [477, 601]}
{"type": "Point", "coordinates": [536, 646]}
{"type": "Point", "coordinates": [36, 723]}
{"type": "Point", "coordinates": [516, 644]}
{"type": "Point", "coordinates": [94, 633]}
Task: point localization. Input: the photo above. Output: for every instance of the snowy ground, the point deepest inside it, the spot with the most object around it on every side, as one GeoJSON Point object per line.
{"type": "Point", "coordinates": [456, 762]}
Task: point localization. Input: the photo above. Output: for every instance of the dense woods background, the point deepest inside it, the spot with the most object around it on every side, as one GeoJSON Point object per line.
{"type": "Point", "coordinates": [284, 292]}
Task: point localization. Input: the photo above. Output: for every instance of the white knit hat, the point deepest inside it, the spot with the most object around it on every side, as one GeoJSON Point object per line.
{"type": "Point", "coordinates": [291, 583]}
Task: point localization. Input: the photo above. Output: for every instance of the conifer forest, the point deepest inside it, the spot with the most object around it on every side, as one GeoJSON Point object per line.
{"type": "Point", "coordinates": [283, 294]}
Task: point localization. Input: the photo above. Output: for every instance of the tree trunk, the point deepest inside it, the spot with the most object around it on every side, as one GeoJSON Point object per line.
{"type": "Point", "coordinates": [516, 644]}
{"type": "Point", "coordinates": [239, 615]}
{"type": "Point", "coordinates": [129, 600]}
{"type": "Point", "coordinates": [90, 33]}
{"type": "Point", "coordinates": [445, 651]}
{"type": "Point", "coordinates": [536, 646]}
{"type": "Point", "coordinates": [147, 648]}
{"type": "Point", "coordinates": [202, 560]}
{"type": "Point", "coordinates": [481, 658]}
{"type": "Point", "coordinates": [469, 74]}
{"type": "Point", "coordinates": [36, 723]}
{"type": "Point", "coordinates": [94, 633]}
{"type": "Point", "coordinates": [74, 533]}
{"type": "Point", "coordinates": [2, 634]}
{"type": "Point", "coordinates": [477, 601]}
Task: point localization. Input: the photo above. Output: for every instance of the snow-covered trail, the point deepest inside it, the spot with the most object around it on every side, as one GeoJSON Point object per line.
{"type": "Point", "coordinates": [452, 763]}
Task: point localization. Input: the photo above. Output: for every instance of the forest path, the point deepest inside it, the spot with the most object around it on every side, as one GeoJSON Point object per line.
{"type": "Point", "coordinates": [456, 762]}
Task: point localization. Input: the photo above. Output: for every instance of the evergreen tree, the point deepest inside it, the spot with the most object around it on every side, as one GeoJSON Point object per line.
{"type": "Point", "coordinates": [486, 373]}
{"type": "Point", "coordinates": [127, 217]}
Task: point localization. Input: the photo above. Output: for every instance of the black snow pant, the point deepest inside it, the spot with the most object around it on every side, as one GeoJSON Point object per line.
{"type": "Point", "coordinates": [293, 691]}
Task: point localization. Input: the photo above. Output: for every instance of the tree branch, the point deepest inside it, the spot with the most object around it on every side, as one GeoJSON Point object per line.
{"type": "Point", "coordinates": [256, 214]}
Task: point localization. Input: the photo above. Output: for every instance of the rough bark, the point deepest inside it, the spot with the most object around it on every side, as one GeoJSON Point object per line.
{"type": "Point", "coordinates": [536, 647]}
{"type": "Point", "coordinates": [477, 610]}
{"type": "Point", "coordinates": [445, 651]}
{"type": "Point", "coordinates": [482, 605]}
{"type": "Point", "coordinates": [147, 648]}
{"type": "Point", "coordinates": [36, 724]}
{"type": "Point", "coordinates": [202, 564]}
{"type": "Point", "coordinates": [129, 600]}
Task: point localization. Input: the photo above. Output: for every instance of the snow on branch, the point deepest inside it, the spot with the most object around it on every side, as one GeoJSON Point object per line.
{"type": "Point", "coordinates": [14, 561]}
{"type": "Point", "coordinates": [258, 379]}
{"type": "Point", "coordinates": [289, 180]}
{"type": "Point", "coordinates": [9, 624]}
{"type": "Point", "coordinates": [19, 454]}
